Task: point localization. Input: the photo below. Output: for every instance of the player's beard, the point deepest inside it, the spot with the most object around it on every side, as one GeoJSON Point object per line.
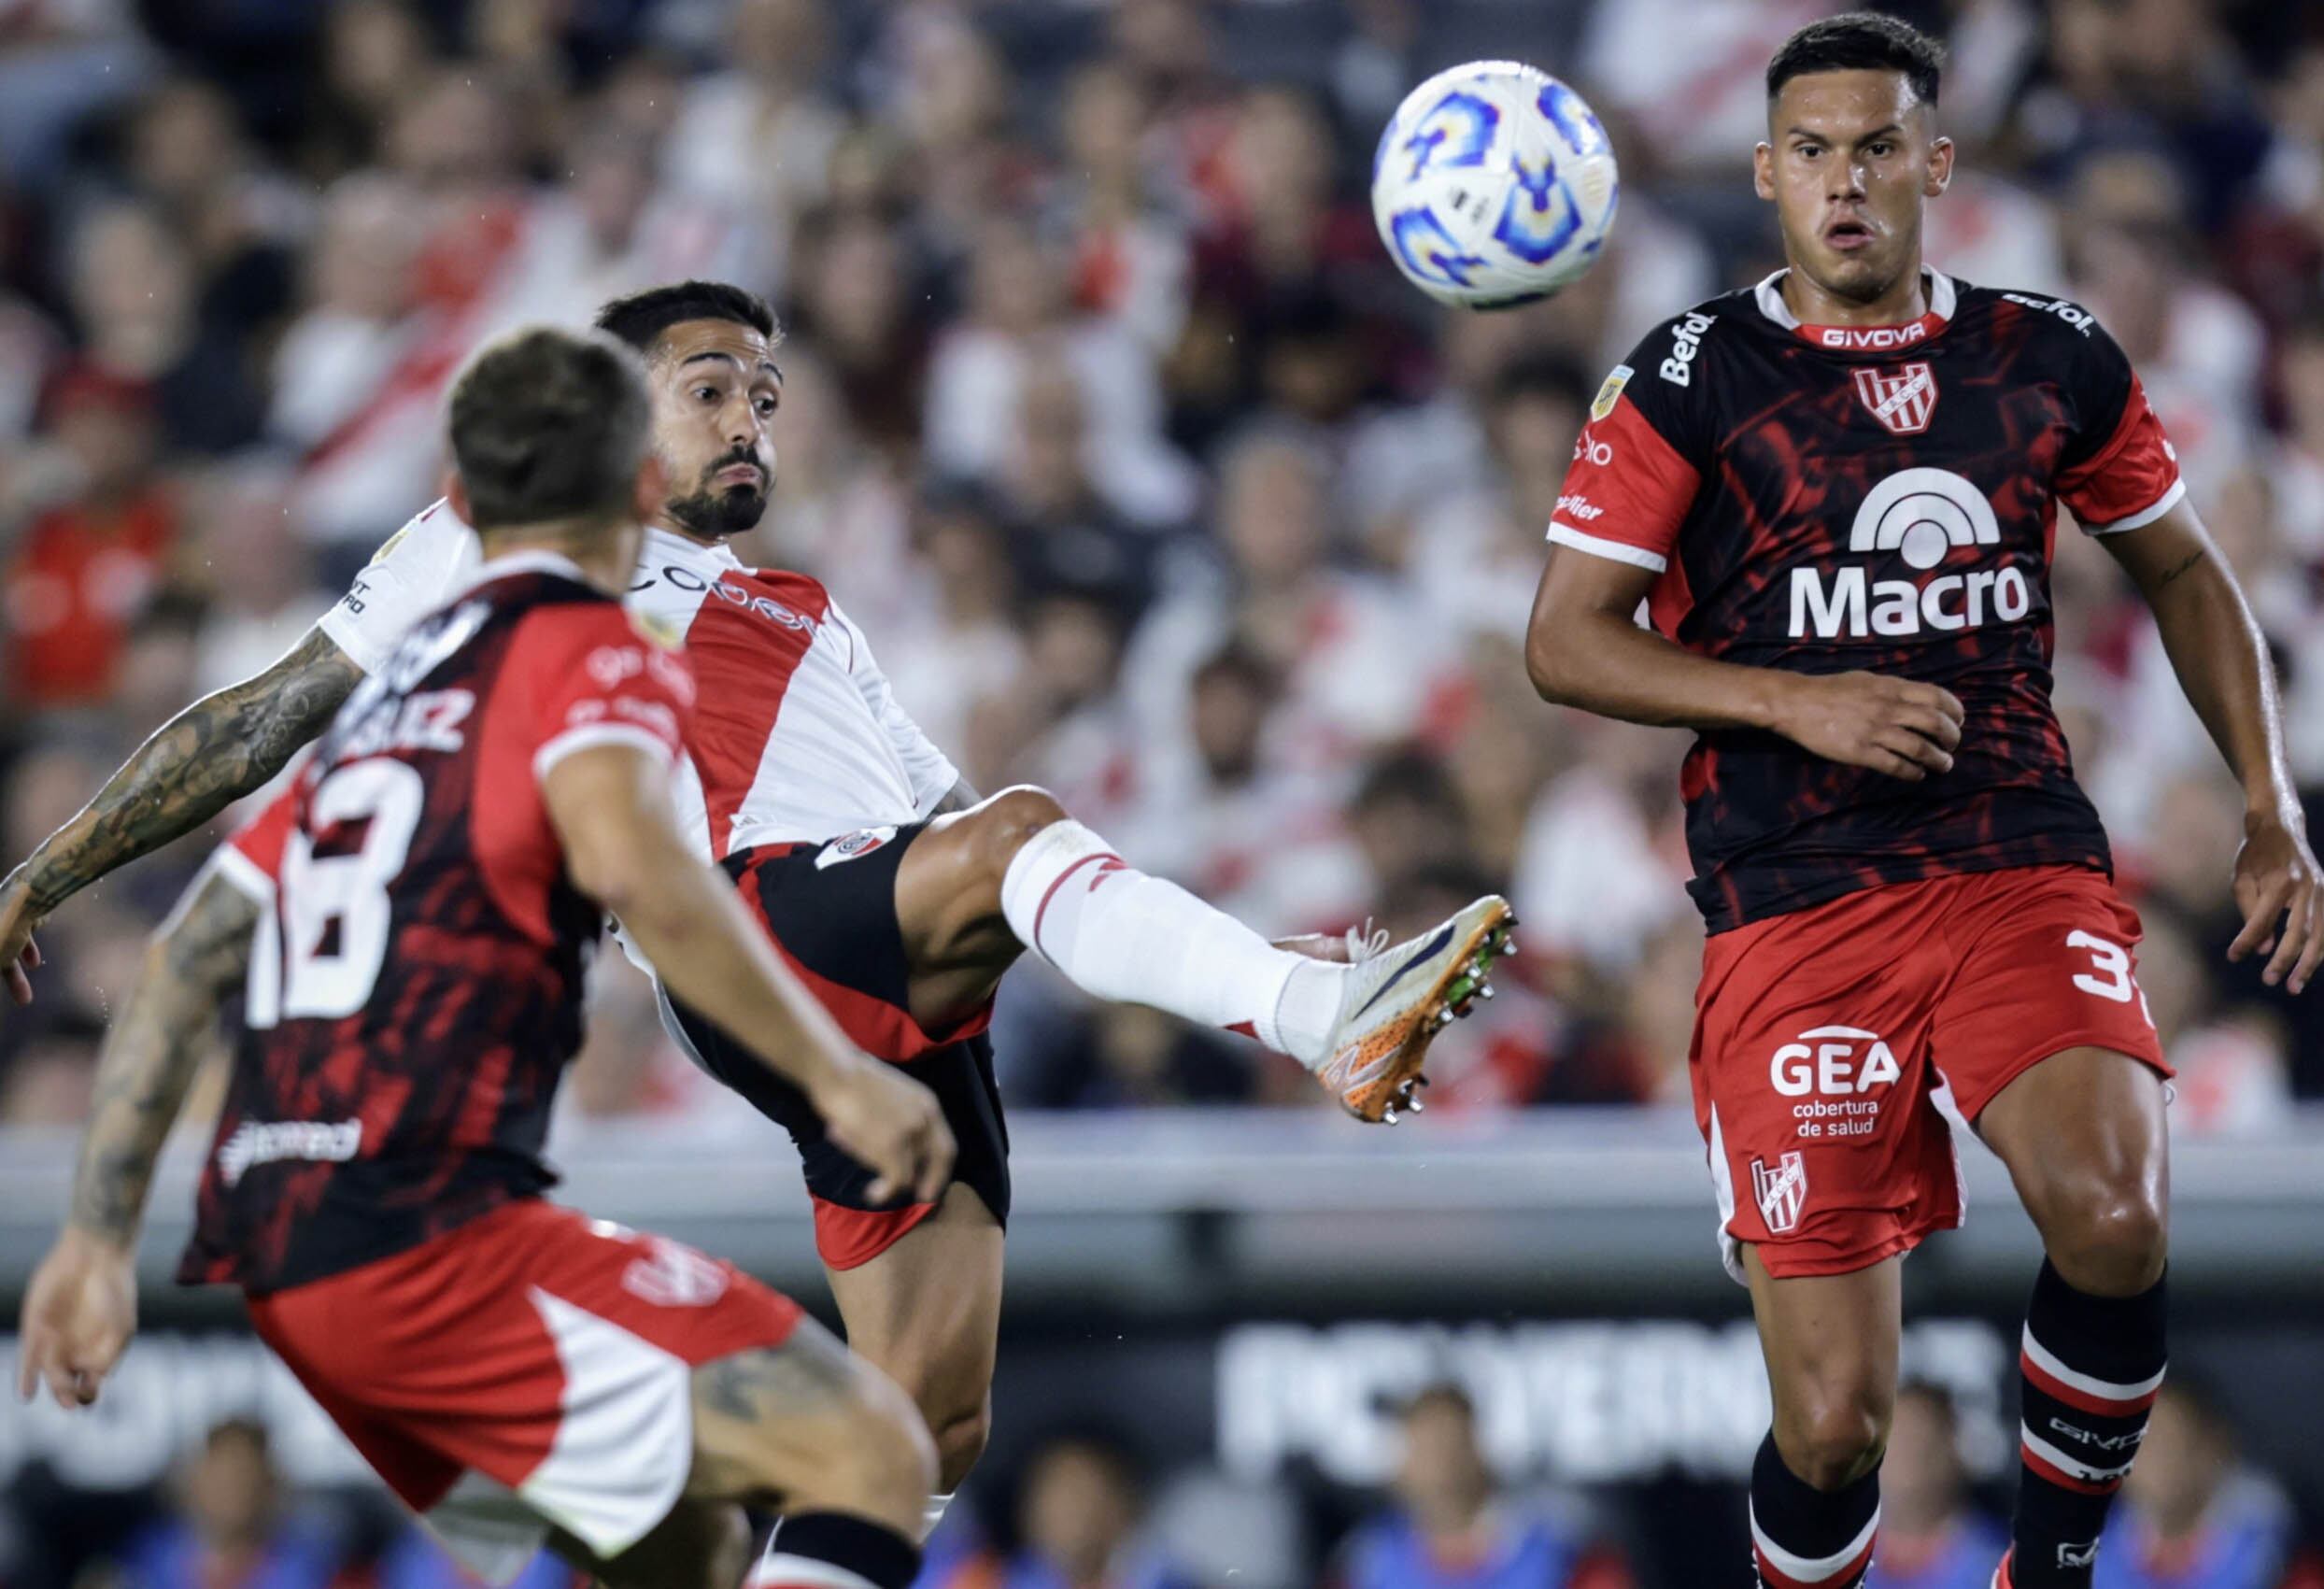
{"type": "Point", "coordinates": [715, 512]}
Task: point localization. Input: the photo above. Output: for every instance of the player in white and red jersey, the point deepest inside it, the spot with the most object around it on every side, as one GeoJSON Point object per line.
{"type": "Point", "coordinates": [1837, 495]}
{"type": "Point", "coordinates": [898, 894]}
{"type": "Point", "coordinates": [518, 1374]}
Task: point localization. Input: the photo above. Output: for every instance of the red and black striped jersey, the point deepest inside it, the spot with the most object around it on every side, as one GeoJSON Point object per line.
{"type": "Point", "coordinates": [416, 991]}
{"type": "Point", "coordinates": [1830, 498]}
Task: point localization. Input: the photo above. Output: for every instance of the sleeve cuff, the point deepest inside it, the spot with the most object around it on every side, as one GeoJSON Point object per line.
{"type": "Point", "coordinates": [2144, 515]}
{"type": "Point", "coordinates": [1598, 545]}
{"type": "Point", "coordinates": [591, 735]}
{"type": "Point", "coordinates": [348, 635]}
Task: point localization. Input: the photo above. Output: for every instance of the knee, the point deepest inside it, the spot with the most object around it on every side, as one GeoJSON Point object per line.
{"type": "Point", "coordinates": [2109, 1239]}
{"type": "Point", "coordinates": [1004, 821]}
{"type": "Point", "coordinates": [886, 1468]}
{"type": "Point", "coordinates": [960, 1438]}
{"type": "Point", "coordinates": [1831, 1436]}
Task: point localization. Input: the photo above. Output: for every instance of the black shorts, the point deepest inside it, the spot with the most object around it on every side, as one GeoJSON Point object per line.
{"type": "Point", "coordinates": [831, 911]}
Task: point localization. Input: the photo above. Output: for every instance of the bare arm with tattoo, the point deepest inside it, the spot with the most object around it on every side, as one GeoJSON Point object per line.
{"type": "Point", "coordinates": [201, 762]}
{"type": "Point", "coordinates": [82, 1304]}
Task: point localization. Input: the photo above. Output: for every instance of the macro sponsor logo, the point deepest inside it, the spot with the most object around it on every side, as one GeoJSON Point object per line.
{"type": "Point", "coordinates": [1576, 505]}
{"type": "Point", "coordinates": [1686, 340]}
{"type": "Point", "coordinates": [1921, 516]}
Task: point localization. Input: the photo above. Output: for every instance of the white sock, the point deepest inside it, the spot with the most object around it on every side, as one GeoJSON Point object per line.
{"type": "Point", "coordinates": [1120, 934]}
{"type": "Point", "coordinates": [937, 1506]}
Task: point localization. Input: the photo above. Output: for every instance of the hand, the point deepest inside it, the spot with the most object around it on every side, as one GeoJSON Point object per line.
{"type": "Point", "coordinates": [19, 954]}
{"type": "Point", "coordinates": [79, 1313]}
{"type": "Point", "coordinates": [2282, 902]}
{"type": "Point", "coordinates": [892, 1123]}
{"type": "Point", "coordinates": [1888, 725]}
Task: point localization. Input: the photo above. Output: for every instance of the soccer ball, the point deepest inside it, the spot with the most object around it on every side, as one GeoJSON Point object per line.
{"type": "Point", "coordinates": [1493, 185]}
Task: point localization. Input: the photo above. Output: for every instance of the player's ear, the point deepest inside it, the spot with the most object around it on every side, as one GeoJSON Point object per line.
{"type": "Point", "coordinates": [652, 487]}
{"type": "Point", "coordinates": [1763, 171]}
{"type": "Point", "coordinates": [1940, 167]}
{"type": "Point", "coordinates": [455, 491]}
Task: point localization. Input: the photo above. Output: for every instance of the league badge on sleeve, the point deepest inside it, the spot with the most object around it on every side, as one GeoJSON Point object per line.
{"type": "Point", "coordinates": [1603, 404]}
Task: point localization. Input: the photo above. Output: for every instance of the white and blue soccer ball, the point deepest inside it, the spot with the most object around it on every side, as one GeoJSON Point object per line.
{"type": "Point", "coordinates": [1493, 185]}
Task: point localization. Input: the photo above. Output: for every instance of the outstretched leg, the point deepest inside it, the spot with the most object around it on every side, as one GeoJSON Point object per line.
{"type": "Point", "coordinates": [1016, 871]}
{"type": "Point", "coordinates": [2084, 1137]}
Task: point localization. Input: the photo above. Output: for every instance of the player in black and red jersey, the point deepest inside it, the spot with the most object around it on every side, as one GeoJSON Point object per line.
{"type": "Point", "coordinates": [517, 1372]}
{"type": "Point", "coordinates": [1836, 494]}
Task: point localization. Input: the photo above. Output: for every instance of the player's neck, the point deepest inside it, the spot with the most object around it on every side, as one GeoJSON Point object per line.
{"type": "Point", "coordinates": [606, 560]}
{"type": "Point", "coordinates": [670, 526]}
{"type": "Point", "coordinates": [1811, 305]}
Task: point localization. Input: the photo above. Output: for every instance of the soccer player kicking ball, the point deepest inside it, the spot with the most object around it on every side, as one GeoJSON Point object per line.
{"type": "Point", "coordinates": [518, 1373]}
{"type": "Point", "coordinates": [1835, 493]}
{"type": "Point", "coordinates": [898, 896]}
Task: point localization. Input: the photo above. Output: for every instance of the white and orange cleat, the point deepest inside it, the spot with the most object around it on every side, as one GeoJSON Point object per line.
{"type": "Point", "coordinates": [1397, 999]}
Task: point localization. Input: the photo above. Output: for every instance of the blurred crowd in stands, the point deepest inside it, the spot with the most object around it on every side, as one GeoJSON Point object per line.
{"type": "Point", "coordinates": [1078, 1508]}
{"type": "Point", "coordinates": [1107, 416]}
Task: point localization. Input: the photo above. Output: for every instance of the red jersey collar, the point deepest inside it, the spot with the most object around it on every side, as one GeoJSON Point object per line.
{"type": "Point", "coordinates": [1862, 338]}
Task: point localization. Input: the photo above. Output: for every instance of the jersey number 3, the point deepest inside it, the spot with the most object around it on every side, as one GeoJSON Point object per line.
{"type": "Point", "coordinates": [335, 911]}
{"type": "Point", "coordinates": [2109, 976]}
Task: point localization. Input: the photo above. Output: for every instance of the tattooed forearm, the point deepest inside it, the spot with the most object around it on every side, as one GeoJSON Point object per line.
{"type": "Point", "coordinates": [201, 762]}
{"type": "Point", "coordinates": [153, 1050]}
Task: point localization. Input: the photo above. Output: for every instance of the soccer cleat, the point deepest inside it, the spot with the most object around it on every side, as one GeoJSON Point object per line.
{"type": "Point", "coordinates": [1396, 1002]}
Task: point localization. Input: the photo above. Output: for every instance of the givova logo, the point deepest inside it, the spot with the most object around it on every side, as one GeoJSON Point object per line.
{"type": "Point", "coordinates": [1920, 514]}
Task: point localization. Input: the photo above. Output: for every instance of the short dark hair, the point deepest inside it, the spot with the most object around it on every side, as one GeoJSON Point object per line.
{"type": "Point", "coordinates": [641, 318]}
{"type": "Point", "coordinates": [1861, 41]}
{"type": "Point", "coordinates": [549, 424]}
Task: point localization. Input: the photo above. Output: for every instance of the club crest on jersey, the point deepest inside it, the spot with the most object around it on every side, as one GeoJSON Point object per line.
{"type": "Point", "coordinates": [1782, 1192]}
{"type": "Point", "coordinates": [851, 845]}
{"type": "Point", "coordinates": [1903, 401]}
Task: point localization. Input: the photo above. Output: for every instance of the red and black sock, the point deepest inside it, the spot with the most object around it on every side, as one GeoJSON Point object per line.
{"type": "Point", "coordinates": [2092, 1366]}
{"type": "Point", "coordinates": [1804, 1538]}
{"type": "Point", "coordinates": [831, 1549]}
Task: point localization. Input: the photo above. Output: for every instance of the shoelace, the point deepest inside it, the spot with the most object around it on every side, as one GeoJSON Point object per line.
{"type": "Point", "coordinates": [1364, 941]}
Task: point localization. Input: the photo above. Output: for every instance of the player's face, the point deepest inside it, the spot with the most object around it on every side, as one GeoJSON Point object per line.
{"type": "Point", "coordinates": [1850, 158]}
{"type": "Point", "coordinates": [716, 392]}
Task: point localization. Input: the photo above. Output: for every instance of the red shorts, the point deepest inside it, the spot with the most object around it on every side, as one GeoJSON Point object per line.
{"type": "Point", "coordinates": [1829, 1041]}
{"type": "Point", "coordinates": [530, 1369]}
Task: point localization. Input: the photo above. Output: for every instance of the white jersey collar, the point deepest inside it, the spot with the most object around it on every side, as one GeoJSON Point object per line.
{"type": "Point", "coordinates": [668, 545]}
{"type": "Point", "coordinates": [1943, 297]}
